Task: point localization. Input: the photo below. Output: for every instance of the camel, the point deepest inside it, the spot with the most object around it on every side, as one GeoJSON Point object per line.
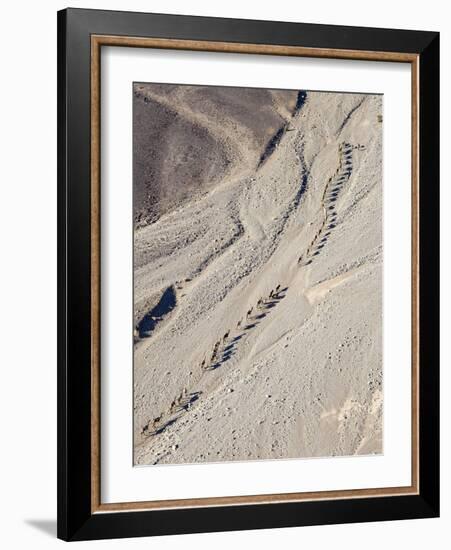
{"type": "Point", "coordinates": [215, 351]}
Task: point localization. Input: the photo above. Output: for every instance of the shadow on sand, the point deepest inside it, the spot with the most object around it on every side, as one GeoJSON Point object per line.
{"type": "Point", "coordinates": [150, 320]}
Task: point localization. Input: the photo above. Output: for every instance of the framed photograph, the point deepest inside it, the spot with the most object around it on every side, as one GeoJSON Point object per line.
{"type": "Point", "coordinates": [248, 274]}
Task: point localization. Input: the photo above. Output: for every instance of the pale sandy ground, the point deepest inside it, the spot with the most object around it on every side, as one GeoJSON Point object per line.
{"type": "Point", "coordinates": [301, 376]}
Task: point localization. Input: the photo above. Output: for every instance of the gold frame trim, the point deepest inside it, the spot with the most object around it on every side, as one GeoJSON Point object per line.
{"type": "Point", "coordinates": [97, 41]}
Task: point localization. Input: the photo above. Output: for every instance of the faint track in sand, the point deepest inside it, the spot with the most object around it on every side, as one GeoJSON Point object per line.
{"type": "Point", "coordinates": [205, 394]}
{"type": "Point", "coordinates": [189, 398]}
{"type": "Point", "coordinates": [224, 349]}
{"type": "Point", "coordinates": [247, 224]}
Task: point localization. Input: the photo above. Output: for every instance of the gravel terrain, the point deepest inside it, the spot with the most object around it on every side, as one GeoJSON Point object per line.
{"type": "Point", "coordinates": [258, 281]}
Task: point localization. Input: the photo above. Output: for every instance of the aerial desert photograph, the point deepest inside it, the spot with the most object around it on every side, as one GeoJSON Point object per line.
{"type": "Point", "coordinates": [257, 274]}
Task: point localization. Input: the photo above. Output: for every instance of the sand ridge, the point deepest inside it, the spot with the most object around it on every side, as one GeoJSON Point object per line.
{"type": "Point", "coordinates": [251, 340]}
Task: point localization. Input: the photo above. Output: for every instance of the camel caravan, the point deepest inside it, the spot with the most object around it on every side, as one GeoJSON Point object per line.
{"type": "Point", "coordinates": [182, 403]}
{"type": "Point", "coordinates": [331, 194]}
{"type": "Point", "coordinates": [224, 348]}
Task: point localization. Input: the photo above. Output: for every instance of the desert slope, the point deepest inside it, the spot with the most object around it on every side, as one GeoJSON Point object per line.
{"type": "Point", "coordinates": [258, 302]}
{"type": "Point", "coordinates": [188, 139]}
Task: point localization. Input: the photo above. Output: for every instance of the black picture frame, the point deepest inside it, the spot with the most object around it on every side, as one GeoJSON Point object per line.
{"type": "Point", "coordinates": [76, 519]}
